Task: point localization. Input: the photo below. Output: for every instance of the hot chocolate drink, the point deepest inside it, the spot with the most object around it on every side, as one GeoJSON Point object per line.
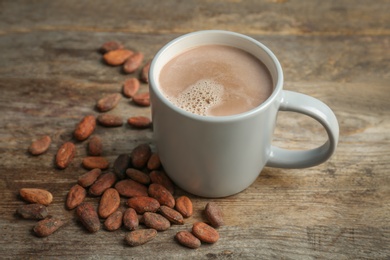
{"type": "Point", "coordinates": [216, 80]}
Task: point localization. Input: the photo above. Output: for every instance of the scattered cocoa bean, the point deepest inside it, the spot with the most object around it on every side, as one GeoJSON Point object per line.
{"type": "Point", "coordinates": [184, 206]}
{"type": "Point", "coordinates": [161, 178]}
{"type": "Point", "coordinates": [187, 239]}
{"type": "Point", "coordinates": [130, 188]}
{"type": "Point", "coordinates": [114, 221]}
{"type": "Point", "coordinates": [32, 211]}
{"type": "Point", "coordinates": [172, 215]}
{"type": "Point", "coordinates": [88, 178]}
{"type": "Point", "coordinates": [104, 182]}
{"type": "Point", "coordinates": [34, 195]}
{"type": "Point", "coordinates": [154, 162]}
{"type": "Point", "coordinates": [133, 62]}
{"type": "Point", "coordinates": [140, 155]}
{"type": "Point", "coordinates": [108, 102]}
{"type": "Point", "coordinates": [142, 99]}
{"type": "Point", "coordinates": [143, 204]}
{"type": "Point", "coordinates": [47, 226]}
{"type": "Point", "coordinates": [95, 146]}
{"type": "Point", "coordinates": [214, 214]}
{"type": "Point", "coordinates": [156, 221]}
{"type": "Point", "coordinates": [161, 194]}
{"type": "Point", "coordinates": [117, 57]}
{"type": "Point", "coordinates": [109, 120]}
{"type": "Point", "coordinates": [145, 72]}
{"type": "Point", "coordinates": [85, 128]}
{"type": "Point", "coordinates": [205, 233]}
{"type": "Point", "coordinates": [130, 87]}
{"type": "Point", "coordinates": [138, 176]}
{"type": "Point", "coordinates": [40, 145]}
{"type": "Point", "coordinates": [65, 155]}
{"type": "Point", "coordinates": [140, 237]}
{"type": "Point", "coordinates": [110, 46]}
{"type": "Point", "coordinates": [76, 196]}
{"type": "Point", "coordinates": [92, 162]}
{"type": "Point", "coordinates": [130, 219]}
{"type": "Point", "coordinates": [122, 162]}
{"type": "Point", "coordinates": [88, 216]}
{"type": "Point", "coordinates": [109, 202]}
{"type": "Point", "coordinates": [140, 122]}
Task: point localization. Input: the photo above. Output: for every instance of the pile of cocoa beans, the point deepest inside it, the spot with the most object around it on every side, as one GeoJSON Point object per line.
{"type": "Point", "coordinates": [137, 176]}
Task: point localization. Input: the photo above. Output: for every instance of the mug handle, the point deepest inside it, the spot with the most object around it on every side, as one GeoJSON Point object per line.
{"type": "Point", "coordinates": [304, 104]}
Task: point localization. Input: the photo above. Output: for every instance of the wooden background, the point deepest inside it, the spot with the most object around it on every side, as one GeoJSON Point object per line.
{"type": "Point", "coordinates": [337, 50]}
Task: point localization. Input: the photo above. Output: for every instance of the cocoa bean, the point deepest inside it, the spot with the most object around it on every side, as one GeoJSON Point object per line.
{"type": "Point", "coordinates": [130, 87]}
{"type": "Point", "coordinates": [140, 155]}
{"type": "Point", "coordinates": [161, 178]}
{"type": "Point", "coordinates": [122, 162]}
{"type": "Point", "coordinates": [104, 182]}
{"type": "Point", "coordinates": [109, 202]}
{"type": "Point", "coordinates": [138, 176]}
{"type": "Point", "coordinates": [110, 46]}
{"type": "Point", "coordinates": [187, 239]}
{"type": "Point", "coordinates": [130, 219]}
{"type": "Point", "coordinates": [85, 128]}
{"type": "Point", "coordinates": [156, 221]}
{"type": "Point", "coordinates": [117, 57]}
{"type": "Point", "coordinates": [143, 204]}
{"type": "Point", "coordinates": [95, 146]}
{"type": "Point", "coordinates": [108, 102]}
{"type": "Point", "coordinates": [92, 162]}
{"type": "Point", "coordinates": [88, 216]}
{"type": "Point", "coordinates": [88, 178]}
{"type": "Point", "coordinates": [142, 99]}
{"type": "Point", "coordinates": [205, 233]}
{"type": "Point", "coordinates": [133, 62]}
{"type": "Point", "coordinates": [214, 214]}
{"type": "Point", "coordinates": [109, 120]}
{"type": "Point", "coordinates": [140, 122]}
{"type": "Point", "coordinates": [114, 221]}
{"type": "Point", "coordinates": [34, 195]}
{"type": "Point", "coordinates": [172, 215]}
{"type": "Point", "coordinates": [145, 72]}
{"type": "Point", "coordinates": [65, 155]}
{"type": "Point", "coordinates": [184, 206]}
{"type": "Point", "coordinates": [32, 211]}
{"type": "Point", "coordinates": [140, 237]}
{"type": "Point", "coordinates": [40, 145]}
{"type": "Point", "coordinates": [161, 194]}
{"type": "Point", "coordinates": [130, 188]}
{"type": "Point", "coordinates": [47, 226]}
{"type": "Point", "coordinates": [76, 196]}
{"type": "Point", "coordinates": [154, 162]}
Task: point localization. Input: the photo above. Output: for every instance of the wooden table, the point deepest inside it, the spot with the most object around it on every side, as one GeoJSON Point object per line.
{"type": "Point", "coordinates": [337, 51]}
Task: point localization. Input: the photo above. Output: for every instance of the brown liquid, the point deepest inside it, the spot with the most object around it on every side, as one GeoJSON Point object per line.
{"type": "Point", "coordinates": [216, 80]}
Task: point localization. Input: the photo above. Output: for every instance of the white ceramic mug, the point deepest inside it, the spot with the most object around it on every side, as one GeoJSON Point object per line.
{"type": "Point", "coordinates": [218, 156]}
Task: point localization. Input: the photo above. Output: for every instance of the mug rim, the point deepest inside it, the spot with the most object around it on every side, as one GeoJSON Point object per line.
{"type": "Point", "coordinates": [278, 85]}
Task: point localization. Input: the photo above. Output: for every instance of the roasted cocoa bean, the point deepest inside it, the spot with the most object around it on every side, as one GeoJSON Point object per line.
{"type": "Point", "coordinates": [108, 102]}
{"type": "Point", "coordinates": [205, 233]}
{"type": "Point", "coordinates": [110, 46]}
{"type": "Point", "coordinates": [184, 206]}
{"type": "Point", "coordinates": [65, 155]}
{"type": "Point", "coordinates": [214, 214]}
{"type": "Point", "coordinates": [109, 202]}
{"type": "Point", "coordinates": [88, 216]}
{"type": "Point", "coordinates": [122, 162]}
{"type": "Point", "coordinates": [140, 155]}
{"type": "Point", "coordinates": [145, 72]}
{"type": "Point", "coordinates": [130, 87]}
{"type": "Point", "coordinates": [47, 226]}
{"type": "Point", "coordinates": [76, 196]}
{"type": "Point", "coordinates": [154, 162]}
{"type": "Point", "coordinates": [142, 99]}
{"type": "Point", "coordinates": [117, 57]}
{"type": "Point", "coordinates": [133, 62]}
{"type": "Point", "coordinates": [114, 221]}
{"type": "Point", "coordinates": [143, 204]}
{"type": "Point", "coordinates": [140, 122]}
{"type": "Point", "coordinates": [88, 178]}
{"type": "Point", "coordinates": [85, 128]}
{"type": "Point", "coordinates": [187, 239]}
{"type": "Point", "coordinates": [138, 176]}
{"type": "Point", "coordinates": [40, 145]}
{"type": "Point", "coordinates": [34, 195]}
{"type": "Point", "coordinates": [130, 188]}
{"type": "Point", "coordinates": [140, 237]}
{"type": "Point", "coordinates": [93, 162]}
{"type": "Point", "coordinates": [161, 178]}
{"type": "Point", "coordinates": [172, 215]}
{"type": "Point", "coordinates": [104, 182]}
{"type": "Point", "coordinates": [130, 219]}
{"type": "Point", "coordinates": [95, 146]}
{"type": "Point", "coordinates": [156, 221]}
{"type": "Point", "coordinates": [32, 211]}
{"type": "Point", "coordinates": [161, 194]}
{"type": "Point", "coordinates": [109, 120]}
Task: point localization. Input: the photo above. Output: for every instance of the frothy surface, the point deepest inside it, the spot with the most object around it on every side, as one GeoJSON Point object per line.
{"type": "Point", "coordinates": [216, 80]}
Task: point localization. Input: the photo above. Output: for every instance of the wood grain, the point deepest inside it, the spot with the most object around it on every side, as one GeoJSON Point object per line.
{"type": "Point", "coordinates": [51, 75]}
